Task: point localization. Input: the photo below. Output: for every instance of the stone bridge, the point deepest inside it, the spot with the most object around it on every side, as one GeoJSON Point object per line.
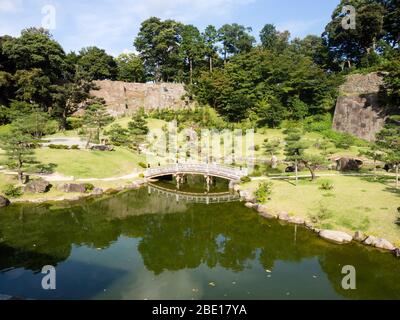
{"type": "Point", "coordinates": [194, 197]}
{"type": "Point", "coordinates": [208, 170]}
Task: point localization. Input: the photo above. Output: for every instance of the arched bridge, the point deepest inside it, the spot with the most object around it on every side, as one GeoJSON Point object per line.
{"type": "Point", "coordinates": [214, 170]}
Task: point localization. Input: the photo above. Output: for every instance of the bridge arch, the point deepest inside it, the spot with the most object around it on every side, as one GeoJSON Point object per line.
{"type": "Point", "coordinates": [209, 170]}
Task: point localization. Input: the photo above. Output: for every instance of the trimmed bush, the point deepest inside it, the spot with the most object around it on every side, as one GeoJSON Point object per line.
{"type": "Point", "coordinates": [89, 187]}
{"type": "Point", "coordinates": [142, 165]}
{"type": "Point", "coordinates": [75, 147]}
{"type": "Point", "coordinates": [58, 147]}
{"type": "Point", "coordinates": [263, 192]}
{"type": "Point", "coordinates": [326, 185]}
{"type": "Point", "coordinates": [12, 191]}
{"type": "Point", "coordinates": [245, 179]}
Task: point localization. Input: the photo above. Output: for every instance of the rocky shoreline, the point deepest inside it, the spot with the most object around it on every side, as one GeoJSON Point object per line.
{"type": "Point", "coordinates": [338, 237]}
{"type": "Point", "coordinates": [77, 188]}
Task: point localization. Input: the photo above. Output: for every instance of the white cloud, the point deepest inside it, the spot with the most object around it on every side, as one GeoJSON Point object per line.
{"type": "Point", "coordinates": [9, 5]}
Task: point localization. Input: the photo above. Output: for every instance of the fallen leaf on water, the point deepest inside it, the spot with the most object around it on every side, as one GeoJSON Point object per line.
{"type": "Point", "coordinates": [212, 284]}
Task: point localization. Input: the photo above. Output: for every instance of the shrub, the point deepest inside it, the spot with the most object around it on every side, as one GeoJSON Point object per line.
{"type": "Point", "coordinates": [89, 187]}
{"type": "Point", "coordinates": [12, 191]}
{"type": "Point", "coordinates": [245, 179]}
{"type": "Point", "coordinates": [326, 185]}
{"type": "Point", "coordinates": [263, 192]}
{"type": "Point", "coordinates": [141, 175]}
{"type": "Point", "coordinates": [142, 165]}
{"type": "Point", "coordinates": [75, 147]}
{"type": "Point", "coordinates": [74, 123]}
{"type": "Point", "coordinates": [257, 147]}
{"type": "Point", "coordinates": [58, 147]}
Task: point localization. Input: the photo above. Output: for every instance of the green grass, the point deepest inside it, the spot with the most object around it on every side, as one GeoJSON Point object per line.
{"type": "Point", "coordinates": [91, 164]}
{"type": "Point", "coordinates": [355, 203]}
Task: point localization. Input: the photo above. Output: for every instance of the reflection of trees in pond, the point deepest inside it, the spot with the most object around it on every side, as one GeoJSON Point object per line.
{"type": "Point", "coordinates": [227, 235]}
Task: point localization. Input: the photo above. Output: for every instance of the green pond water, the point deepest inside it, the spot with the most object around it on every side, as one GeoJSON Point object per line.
{"type": "Point", "coordinates": [137, 245]}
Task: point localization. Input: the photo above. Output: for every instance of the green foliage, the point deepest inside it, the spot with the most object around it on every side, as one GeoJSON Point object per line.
{"type": "Point", "coordinates": [12, 191]}
{"type": "Point", "coordinates": [271, 147]}
{"type": "Point", "coordinates": [142, 165]}
{"type": "Point", "coordinates": [130, 68]}
{"type": "Point", "coordinates": [75, 147]}
{"type": "Point", "coordinates": [97, 64]}
{"type": "Point", "coordinates": [18, 146]}
{"type": "Point", "coordinates": [118, 135]}
{"type": "Point", "coordinates": [245, 179]}
{"type": "Point", "coordinates": [326, 185]}
{"type": "Point", "coordinates": [89, 187]}
{"type": "Point", "coordinates": [263, 192]}
{"type": "Point", "coordinates": [95, 119]}
{"type": "Point", "coordinates": [74, 123]}
{"type": "Point", "coordinates": [58, 147]}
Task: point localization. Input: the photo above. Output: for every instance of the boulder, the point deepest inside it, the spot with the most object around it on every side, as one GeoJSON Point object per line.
{"type": "Point", "coordinates": [264, 212]}
{"type": "Point", "coordinates": [102, 148]}
{"type": "Point", "coordinates": [247, 196]}
{"type": "Point", "coordinates": [249, 205]}
{"type": "Point", "coordinates": [37, 186]}
{"type": "Point", "coordinates": [4, 202]}
{"type": "Point", "coordinates": [396, 252]}
{"type": "Point", "coordinates": [284, 216]}
{"type": "Point", "coordinates": [296, 220]}
{"type": "Point", "coordinates": [336, 236]}
{"type": "Point", "coordinates": [379, 243]}
{"type": "Point", "coordinates": [348, 164]}
{"type": "Point", "coordinates": [97, 191]}
{"type": "Point", "coordinates": [359, 236]}
{"type": "Point", "coordinates": [72, 188]}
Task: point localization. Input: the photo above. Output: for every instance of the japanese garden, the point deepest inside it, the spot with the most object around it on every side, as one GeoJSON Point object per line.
{"type": "Point", "coordinates": [220, 162]}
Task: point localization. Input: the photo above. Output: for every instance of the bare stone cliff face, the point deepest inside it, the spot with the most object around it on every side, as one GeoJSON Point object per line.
{"type": "Point", "coordinates": [125, 98]}
{"type": "Point", "coordinates": [357, 110]}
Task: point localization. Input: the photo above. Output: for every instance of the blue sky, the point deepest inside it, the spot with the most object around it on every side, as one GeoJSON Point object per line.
{"type": "Point", "coordinates": [113, 24]}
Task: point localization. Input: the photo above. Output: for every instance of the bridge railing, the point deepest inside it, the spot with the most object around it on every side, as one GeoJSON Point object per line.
{"type": "Point", "coordinates": [211, 169]}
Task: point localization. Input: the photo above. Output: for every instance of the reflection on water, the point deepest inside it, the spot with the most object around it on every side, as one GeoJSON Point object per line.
{"type": "Point", "coordinates": [140, 246]}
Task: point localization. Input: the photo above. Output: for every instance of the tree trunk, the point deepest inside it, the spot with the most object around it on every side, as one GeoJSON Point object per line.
{"type": "Point", "coordinates": [191, 70]}
{"type": "Point", "coordinates": [19, 170]}
{"type": "Point", "coordinates": [397, 176]}
{"type": "Point", "coordinates": [211, 64]}
{"type": "Point", "coordinates": [297, 171]}
{"type": "Point", "coordinates": [313, 177]}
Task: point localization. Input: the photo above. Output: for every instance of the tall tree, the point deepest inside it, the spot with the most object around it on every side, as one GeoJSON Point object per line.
{"type": "Point", "coordinates": [351, 45]}
{"type": "Point", "coordinates": [18, 147]}
{"type": "Point", "coordinates": [138, 128]}
{"type": "Point", "coordinates": [130, 68]}
{"type": "Point", "coordinates": [235, 39]}
{"type": "Point", "coordinates": [158, 44]}
{"type": "Point", "coordinates": [294, 149]}
{"type": "Point", "coordinates": [97, 63]}
{"type": "Point", "coordinates": [192, 47]}
{"type": "Point", "coordinates": [95, 119]}
{"type": "Point", "coordinates": [389, 139]}
{"type": "Point", "coordinates": [36, 49]}
{"type": "Point", "coordinates": [210, 38]}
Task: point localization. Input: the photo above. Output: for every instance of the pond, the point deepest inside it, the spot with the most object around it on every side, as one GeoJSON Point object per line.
{"type": "Point", "coordinates": [137, 245]}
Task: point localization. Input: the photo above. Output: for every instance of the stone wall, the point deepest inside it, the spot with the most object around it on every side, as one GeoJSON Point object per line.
{"type": "Point", "coordinates": [358, 111]}
{"type": "Point", "coordinates": [125, 98]}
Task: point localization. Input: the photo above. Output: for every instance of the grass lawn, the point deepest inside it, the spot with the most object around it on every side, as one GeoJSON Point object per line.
{"type": "Point", "coordinates": [91, 164]}
{"type": "Point", "coordinates": [355, 203]}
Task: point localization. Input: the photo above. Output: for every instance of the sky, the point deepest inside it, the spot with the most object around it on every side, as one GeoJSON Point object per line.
{"type": "Point", "coordinates": [113, 24]}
